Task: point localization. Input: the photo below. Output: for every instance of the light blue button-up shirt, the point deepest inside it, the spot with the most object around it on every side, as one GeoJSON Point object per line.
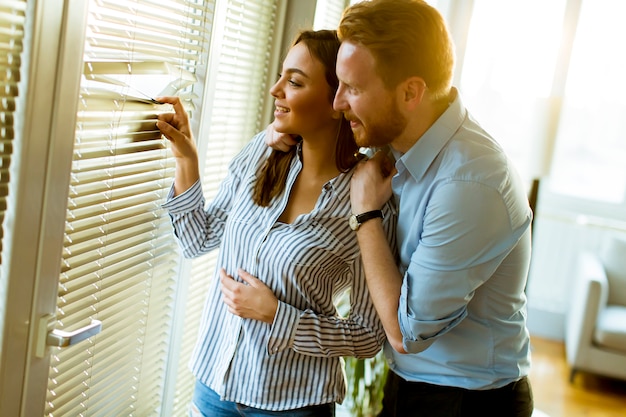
{"type": "Point", "coordinates": [464, 239]}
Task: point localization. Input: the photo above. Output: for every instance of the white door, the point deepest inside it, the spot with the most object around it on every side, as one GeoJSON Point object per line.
{"type": "Point", "coordinates": [45, 112]}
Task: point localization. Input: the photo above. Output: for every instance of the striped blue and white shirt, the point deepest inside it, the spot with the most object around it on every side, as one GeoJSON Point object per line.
{"type": "Point", "coordinates": [309, 264]}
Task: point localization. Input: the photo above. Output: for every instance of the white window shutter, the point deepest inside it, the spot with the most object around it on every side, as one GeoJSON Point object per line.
{"type": "Point", "coordinates": [120, 260]}
{"type": "Point", "coordinates": [240, 65]}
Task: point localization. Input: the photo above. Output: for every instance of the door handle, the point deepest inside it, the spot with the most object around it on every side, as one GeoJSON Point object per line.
{"type": "Point", "coordinates": [47, 335]}
{"type": "Point", "coordinates": [62, 338]}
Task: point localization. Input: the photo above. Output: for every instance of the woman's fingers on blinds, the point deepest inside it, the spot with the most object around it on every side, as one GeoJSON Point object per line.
{"type": "Point", "coordinates": [175, 102]}
{"type": "Point", "coordinates": [167, 99]}
{"type": "Point", "coordinates": [169, 131]}
{"type": "Point", "coordinates": [166, 117]}
{"type": "Point", "coordinates": [179, 119]}
{"type": "Point", "coordinates": [171, 120]}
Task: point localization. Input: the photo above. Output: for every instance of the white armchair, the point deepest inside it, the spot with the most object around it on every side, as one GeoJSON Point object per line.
{"type": "Point", "coordinates": [595, 332]}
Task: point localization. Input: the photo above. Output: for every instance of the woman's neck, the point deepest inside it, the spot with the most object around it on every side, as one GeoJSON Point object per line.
{"type": "Point", "coordinates": [318, 157]}
{"type": "Point", "coordinates": [318, 167]}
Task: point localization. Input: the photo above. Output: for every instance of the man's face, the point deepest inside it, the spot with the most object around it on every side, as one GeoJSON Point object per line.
{"type": "Point", "coordinates": [371, 108]}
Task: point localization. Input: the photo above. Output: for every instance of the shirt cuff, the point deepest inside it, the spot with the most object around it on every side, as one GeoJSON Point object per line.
{"type": "Point", "coordinates": [283, 329]}
{"type": "Point", "coordinates": [413, 329]}
{"type": "Point", "coordinates": [186, 201]}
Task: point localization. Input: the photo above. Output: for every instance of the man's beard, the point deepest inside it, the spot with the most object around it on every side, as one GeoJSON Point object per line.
{"type": "Point", "coordinates": [382, 132]}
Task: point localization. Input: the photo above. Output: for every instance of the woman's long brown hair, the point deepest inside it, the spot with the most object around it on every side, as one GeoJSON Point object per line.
{"type": "Point", "coordinates": [323, 45]}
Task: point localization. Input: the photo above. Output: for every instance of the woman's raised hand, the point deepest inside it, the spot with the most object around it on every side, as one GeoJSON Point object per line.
{"type": "Point", "coordinates": [175, 127]}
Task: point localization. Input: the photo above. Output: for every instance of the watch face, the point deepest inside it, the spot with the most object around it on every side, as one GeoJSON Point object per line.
{"type": "Point", "coordinates": [354, 223]}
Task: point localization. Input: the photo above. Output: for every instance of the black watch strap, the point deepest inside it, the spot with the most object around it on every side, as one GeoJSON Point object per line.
{"type": "Point", "coordinates": [356, 220]}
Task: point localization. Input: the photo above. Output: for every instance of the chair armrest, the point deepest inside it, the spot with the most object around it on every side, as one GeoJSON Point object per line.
{"type": "Point", "coordinates": [589, 295]}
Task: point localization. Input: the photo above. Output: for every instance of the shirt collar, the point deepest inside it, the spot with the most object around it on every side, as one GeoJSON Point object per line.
{"type": "Point", "coordinates": [421, 155]}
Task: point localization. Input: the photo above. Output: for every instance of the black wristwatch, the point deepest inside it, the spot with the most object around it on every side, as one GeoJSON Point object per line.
{"type": "Point", "coordinates": [356, 220]}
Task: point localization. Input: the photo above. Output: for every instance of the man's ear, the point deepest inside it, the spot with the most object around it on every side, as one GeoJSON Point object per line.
{"type": "Point", "coordinates": [414, 90]}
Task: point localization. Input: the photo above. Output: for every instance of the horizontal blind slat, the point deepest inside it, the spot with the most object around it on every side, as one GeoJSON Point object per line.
{"type": "Point", "coordinates": [122, 262]}
{"type": "Point", "coordinates": [90, 239]}
{"type": "Point", "coordinates": [119, 229]}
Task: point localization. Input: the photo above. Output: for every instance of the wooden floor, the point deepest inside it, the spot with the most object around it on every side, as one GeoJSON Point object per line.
{"type": "Point", "coordinates": [588, 396]}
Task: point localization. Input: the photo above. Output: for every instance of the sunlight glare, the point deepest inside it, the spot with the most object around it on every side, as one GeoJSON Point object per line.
{"type": "Point", "coordinates": [515, 46]}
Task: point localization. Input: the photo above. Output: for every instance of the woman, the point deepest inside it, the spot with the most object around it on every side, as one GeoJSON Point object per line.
{"type": "Point", "coordinates": [272, 345]}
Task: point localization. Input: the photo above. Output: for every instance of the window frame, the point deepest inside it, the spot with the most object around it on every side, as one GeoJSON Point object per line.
{"type": "Point", "coordinates": [35, 233]}
{"type": "Point", "coordinates": [54, 40]}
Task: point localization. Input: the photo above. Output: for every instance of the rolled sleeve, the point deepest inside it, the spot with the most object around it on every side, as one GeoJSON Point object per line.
{"type": "Point", "coordinates": [419, 333]}
{"type": "Point", "coordinates": [283, 328]}
{"type": "Point", "coordinates": [466, 234]}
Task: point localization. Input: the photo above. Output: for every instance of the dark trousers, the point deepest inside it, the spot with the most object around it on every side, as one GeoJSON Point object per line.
{"type": "Point", "coordinates": [417, 399]}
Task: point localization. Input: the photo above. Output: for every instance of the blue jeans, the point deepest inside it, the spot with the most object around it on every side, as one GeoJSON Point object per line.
{"type": "Point", "coordinates": [207, 403]}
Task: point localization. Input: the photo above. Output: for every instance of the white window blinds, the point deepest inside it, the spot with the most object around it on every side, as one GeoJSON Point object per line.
{"type": "Point", "coordinates": [119, 258]}
{"type": "Point", "coordinates": [328, 13]}
{"type": "Point", "coordinates": [241, 71]}
{"type": "Point", "coordinates": [12, 15]}
{"type": "Point", "coordinates": [241, 83]}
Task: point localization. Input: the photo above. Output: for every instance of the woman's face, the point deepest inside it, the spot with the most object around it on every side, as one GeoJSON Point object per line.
{"type": "Point", "coordinates": [302, 95]}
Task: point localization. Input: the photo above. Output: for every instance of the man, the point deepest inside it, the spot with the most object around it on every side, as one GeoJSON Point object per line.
{"type": "Point", "coordinates": [454, 311]}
